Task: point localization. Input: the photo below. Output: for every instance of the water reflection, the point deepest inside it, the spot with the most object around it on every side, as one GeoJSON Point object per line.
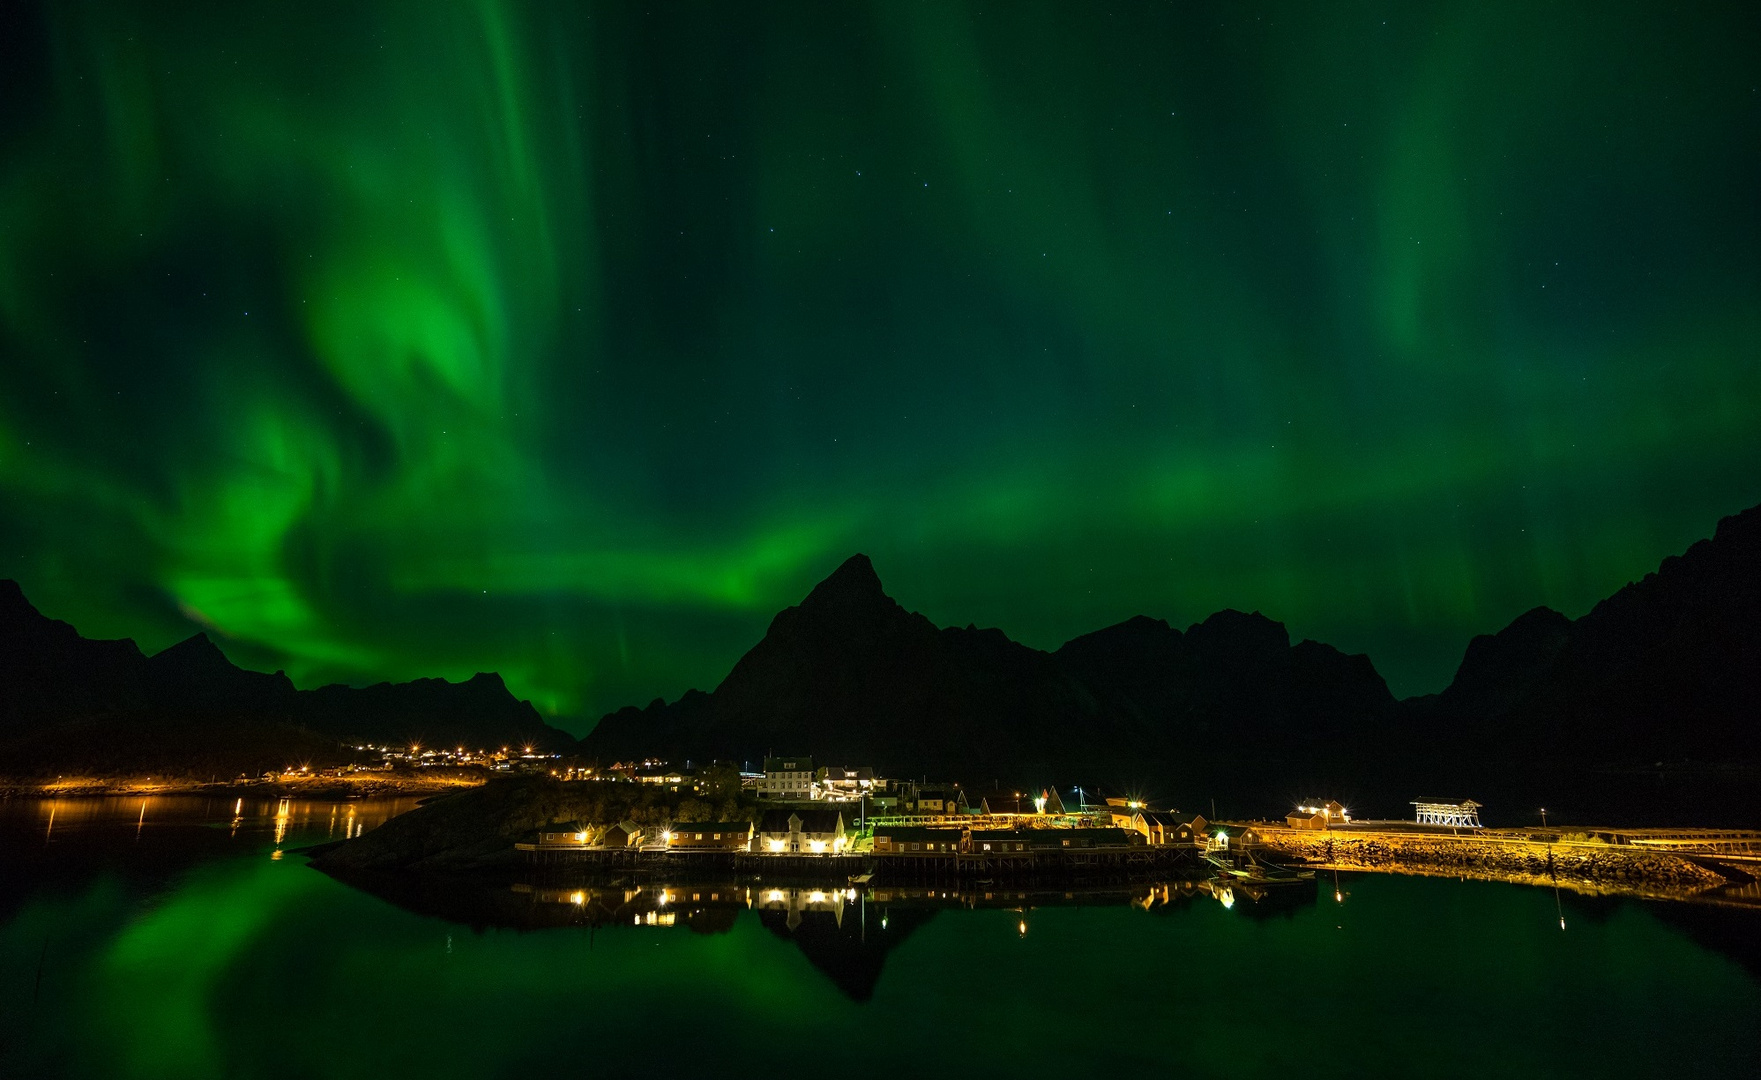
{"type": "Point", "coordinates": [150, 969]}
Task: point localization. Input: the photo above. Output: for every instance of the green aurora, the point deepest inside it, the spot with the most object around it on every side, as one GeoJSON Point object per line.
{"type": "Point", "coordinates": [572, 341]}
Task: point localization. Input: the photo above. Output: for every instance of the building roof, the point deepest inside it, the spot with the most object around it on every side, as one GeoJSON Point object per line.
{"type": "Point", "coordinates": [1446, 802]}
{"type": "Point", "coordinates": [788, 764]}
{"type": "Point", "coordinates": [712, 827]}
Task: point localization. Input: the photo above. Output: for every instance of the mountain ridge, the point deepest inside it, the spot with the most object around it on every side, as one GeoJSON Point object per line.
{"type": "Point", "coordinates": [77, 704]}
{"type": "Point", "coordinates": [1662, 668]}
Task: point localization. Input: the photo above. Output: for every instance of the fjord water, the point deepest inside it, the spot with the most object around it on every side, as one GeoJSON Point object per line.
{"type": "Point", "coordinates": [168, 938]}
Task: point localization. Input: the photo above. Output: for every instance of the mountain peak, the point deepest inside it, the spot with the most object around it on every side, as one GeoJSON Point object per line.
{"type": "Point", "coordinates": [196, 653]}
{"type": "Point", "coordinates": [853, 582]}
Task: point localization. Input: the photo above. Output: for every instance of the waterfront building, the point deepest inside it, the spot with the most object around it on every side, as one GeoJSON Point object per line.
{"type": "Point", "coordinates": [996, 841]}
{"type": "Point", "coordinates": [1071, 839]}
{"type": "Point", "coordinates": [915, 839]}
{"type": "Point", "coordinates": [710, 836]}
{"type": "Point", "coordinates": [1159, 827]}
{"type": "Point", "coordinates": [1318, 816]}
{"type": "Point", "coordinates": [800, 832]}
{"type": "Point", "coordinates": [1459, 813]}
{"type": "Point", "coordinates": [622, 835]}
{"type": "Point", "coordinates": [553, 837]}
{"type": "Point", "coordinates": [787, 779]}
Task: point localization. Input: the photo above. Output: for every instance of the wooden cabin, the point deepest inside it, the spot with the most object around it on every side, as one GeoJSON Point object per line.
{"type": "Point", "coordinates": [624, 834]}
{"type": "Point", "coordinates": [710, 836]}
{"type": "Point", "coordinates": [1077, 839]}
{"type": "Point", "coordinates": [996, 841]}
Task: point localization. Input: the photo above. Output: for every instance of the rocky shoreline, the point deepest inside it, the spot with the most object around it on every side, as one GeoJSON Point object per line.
{"type": "Point", "coordinates": [1589, 868]}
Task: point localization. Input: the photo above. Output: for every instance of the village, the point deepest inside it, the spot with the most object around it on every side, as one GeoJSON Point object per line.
{"type": "Point", "coordinates": [819, 817]}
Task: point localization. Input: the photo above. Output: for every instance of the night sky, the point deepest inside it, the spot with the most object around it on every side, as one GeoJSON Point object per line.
{"type": "Point", "coordinates": [572, 341]}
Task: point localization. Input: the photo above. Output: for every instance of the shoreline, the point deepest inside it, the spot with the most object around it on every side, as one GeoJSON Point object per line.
{"type": "Point", "coordinates": [1588, 867]}
{"type": "Point", "coordinates": [354, 786]}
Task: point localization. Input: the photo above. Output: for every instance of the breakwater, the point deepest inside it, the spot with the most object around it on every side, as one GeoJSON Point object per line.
{"type": "Point", "coordinates": [1519, 858]}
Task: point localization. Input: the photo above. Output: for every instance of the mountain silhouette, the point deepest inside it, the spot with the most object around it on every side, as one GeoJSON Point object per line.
{"type": "Point", "coordinates": [1666, 669]}
{"type": "Point", "coordinates": [850, 674]}
{"type": "Point", "coordinates": [68, 704]}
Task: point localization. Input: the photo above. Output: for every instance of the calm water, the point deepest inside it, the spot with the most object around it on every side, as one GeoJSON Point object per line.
{"type": "Point", "coordinates": [175, 943]}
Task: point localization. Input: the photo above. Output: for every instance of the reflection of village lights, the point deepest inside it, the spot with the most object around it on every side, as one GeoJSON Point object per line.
{"type": "Point", "coordinates": [1226, 896]}
{"type": "Point", "coordinates": [1338, 897]}
{"type": "Point", "coordinates": [883, 922]}
{"type": "Point", "coordinates": [775, 896]}
{"type": "Point", "coordinates": [774, 845]}
{"type": "Point", "coordinates": [816, 897]}
{"type": "Point", "coordinates": [1022, 927]}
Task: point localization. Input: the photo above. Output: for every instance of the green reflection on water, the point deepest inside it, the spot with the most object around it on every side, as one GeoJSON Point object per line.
{"type": "Point", "coordinates": [246, 966]}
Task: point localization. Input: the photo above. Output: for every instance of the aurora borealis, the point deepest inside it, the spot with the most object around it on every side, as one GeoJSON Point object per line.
{"type": "Point", "coordinates": [572, 341]}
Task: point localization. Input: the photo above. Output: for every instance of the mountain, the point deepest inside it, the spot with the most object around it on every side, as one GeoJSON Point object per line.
{"type": "Point", "coordinates": [72, 704]}
{"type": "Point", "coordinates": [1667, 668]}
{"type": "Point", "coordinates": [1548, 711]}
{"type": "Point", "coordinates": [852, 676]}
